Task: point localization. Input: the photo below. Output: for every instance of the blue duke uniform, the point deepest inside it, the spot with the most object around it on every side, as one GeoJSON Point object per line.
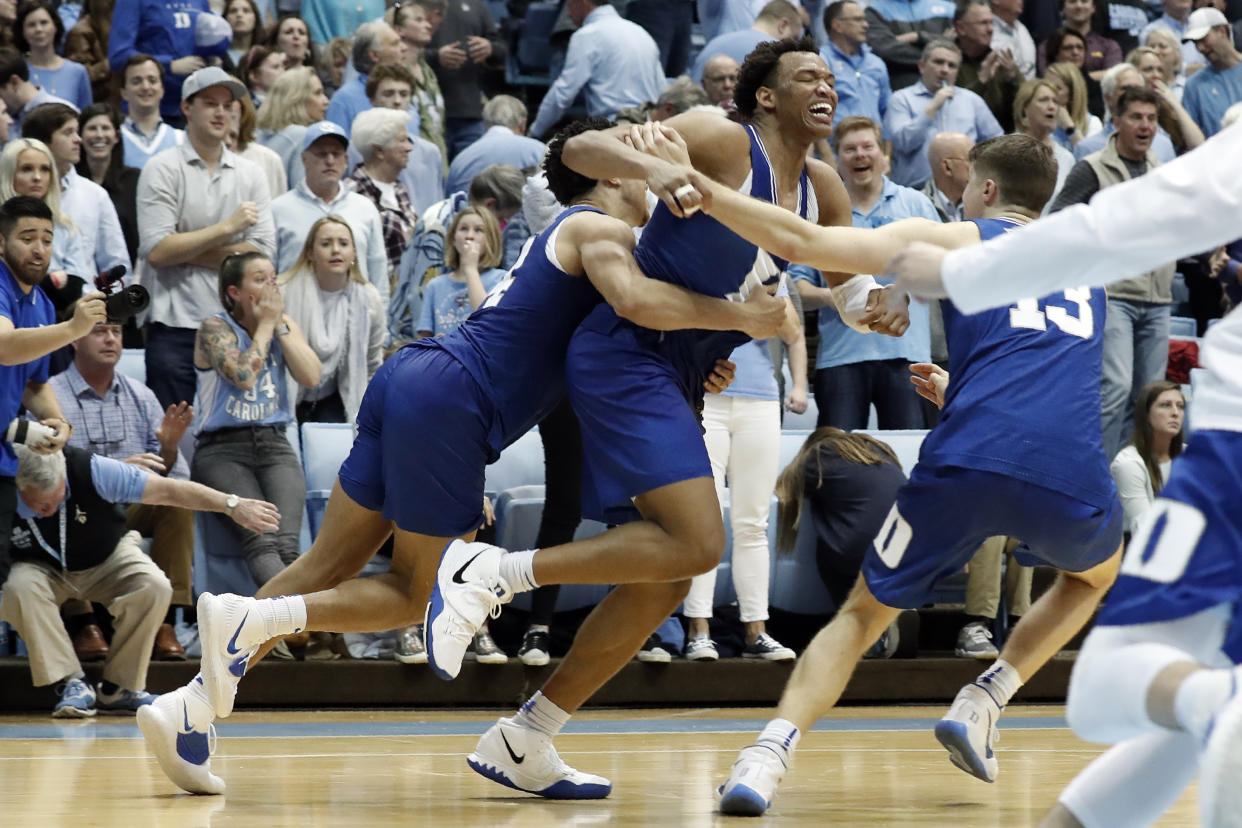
{"type": "Point", "coordinates": [439, 410]}
{"type": "Point", "coordinates": [1018, 449]}
{"type": "Point", "coordinates": [630, 386]}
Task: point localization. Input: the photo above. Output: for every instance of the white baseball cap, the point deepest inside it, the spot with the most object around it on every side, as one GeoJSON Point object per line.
{"type": "Point", "coordinates": [1202, 21]}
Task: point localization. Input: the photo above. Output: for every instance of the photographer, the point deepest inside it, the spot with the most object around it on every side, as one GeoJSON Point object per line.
{"type": "Point", "coordinates": [28, 333]}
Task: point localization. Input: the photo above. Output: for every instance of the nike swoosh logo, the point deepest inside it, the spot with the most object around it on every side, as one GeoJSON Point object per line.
{"type": "Point", "coordinates": [232, 648]}
{"type": "Point", "coordinates": [518, 759]}
{"type": "Point", "coordinates": [457, 575]}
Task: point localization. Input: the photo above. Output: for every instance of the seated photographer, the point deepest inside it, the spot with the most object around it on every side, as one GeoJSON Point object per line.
{"type": "Point", "coordinates": [70, 541]}
{"type": "Point", "coordinates": [119, 417]}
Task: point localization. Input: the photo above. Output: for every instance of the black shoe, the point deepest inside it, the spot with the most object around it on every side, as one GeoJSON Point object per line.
{"type": "Point", "coordinates": [536, 648]}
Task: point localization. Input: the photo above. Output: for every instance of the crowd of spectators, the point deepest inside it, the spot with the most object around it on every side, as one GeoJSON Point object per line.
{"type": "Point", "coordinates": [304, 186]}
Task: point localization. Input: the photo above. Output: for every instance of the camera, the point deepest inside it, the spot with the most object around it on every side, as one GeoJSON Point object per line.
{"type": "Point", "coordinates": [122, 301]}
{"type": "Point", "coordinates": [28, 432]}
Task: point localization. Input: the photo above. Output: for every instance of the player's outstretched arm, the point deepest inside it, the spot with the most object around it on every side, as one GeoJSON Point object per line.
{"type": "Point", "coordinates": [601, 154]}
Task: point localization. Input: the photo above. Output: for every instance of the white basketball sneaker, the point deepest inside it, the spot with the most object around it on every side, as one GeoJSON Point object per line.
{"type": "Point", "coordinates": [525, 760]}
{"type": "Point", "coordinates": [184, 753]}
{"type": "Point", "coordinates": [968, 731]}
{"type": "Point", "coordinates": [230, 629]}
{"type": "Point", "coordinates": [467, 591]}
{"type": "Point", "coordinates": [1220, 769]}
{"type": "Point", "coordinates": [752, 783]}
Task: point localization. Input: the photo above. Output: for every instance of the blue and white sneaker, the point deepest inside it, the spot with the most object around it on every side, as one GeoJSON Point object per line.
{"type": "Point", "coordinates": [968, 731]}
{"type": "Point", "coordinates": [77, 700]}
{"type": "Point", "coordinates": [751, 786]}
{"type": "Point", "coordinates": [230, 629]}
{"type": "Point", "coordinates": [123, 701]}
{"type": "Point", "coordinates": [525, 760]}
{"type": "Point", "coordinates": [467, 591]}
{"type": "Point", "coordinates": [184, 753]}
{"type": "Point", "coordinates": [1220, 768]}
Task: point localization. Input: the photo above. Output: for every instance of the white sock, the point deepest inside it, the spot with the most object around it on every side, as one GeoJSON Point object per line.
{"type": "Point", "coordinates": [541, 715]}
{"type": "Point", "coordinates": [1001, 680]}
{"type": "Point", "coordinates": [198, 710]}
{"type": "Point", "coordinates": [781, 735]}
{"type": "Point", "coordinates": [1200, 697]}
{"type": "Point", "coordinates": [282, 616]}
{"type": "Point", "coordinates": [517, 569]}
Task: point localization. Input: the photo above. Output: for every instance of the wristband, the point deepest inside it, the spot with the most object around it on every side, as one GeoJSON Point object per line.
{"type": "Point", "coordinates": [850, 299]}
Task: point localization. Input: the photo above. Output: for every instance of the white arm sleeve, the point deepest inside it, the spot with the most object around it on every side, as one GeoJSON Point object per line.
{"type": "Point", "coordinates": [1185, 207]}
{"type": "Point", "coordinates": [850, 299]}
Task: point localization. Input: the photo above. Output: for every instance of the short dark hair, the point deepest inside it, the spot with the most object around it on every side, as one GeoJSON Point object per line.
{"type": "Point", "coordinates": [963, 6]}
{"type": "Point", "coordinates": [138, 60]}
{"type": "Point", "coordinates": [12, 63]}
{"type": "Point", "coordinates": [835, 10]}
{"type": "Point", "coordinates": [389, 71]}
{"type": "Point", "coordinates": [1023, 168]}
{"type": "Point", "coordinates": [112, 178]}
{"type": "Point", "coordinates": [20, 207]}
{"type": "Point", "coordinates": [1052, 46]}
{"type": "Point", "coordinates": [232, 271]}
{"type": "Point", "coordinates": [45, 119]}
{"type": "Point", "coordinates": [564, 183]}
{"type": "Point", "coordinates": [760, 67]}
{"type": "Point", "coordinates": [27, 9]}
{"type": "Point", "coordinates": [1129, 96]}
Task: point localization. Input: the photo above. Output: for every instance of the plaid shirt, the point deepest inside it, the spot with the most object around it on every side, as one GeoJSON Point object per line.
{"type": "Point", "coordinates": [397, 225]}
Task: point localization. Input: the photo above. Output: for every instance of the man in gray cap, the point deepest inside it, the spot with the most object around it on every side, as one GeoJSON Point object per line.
{"type": "Point", "coordinates": [197, 204]}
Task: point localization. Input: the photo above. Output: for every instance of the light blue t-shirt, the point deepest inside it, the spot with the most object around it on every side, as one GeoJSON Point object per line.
{"type": "Point", "coordinates": [1209, 92]}
{"type": "Point", "coordinates": [754, 377]}
{"type": "Point", "coordinates": [70, 82]}
{"type": "Point", "coordinates": [446, 303]}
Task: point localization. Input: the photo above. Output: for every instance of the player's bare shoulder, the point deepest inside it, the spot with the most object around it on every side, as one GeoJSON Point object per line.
{"type": "Point", "coordinates": [719, 147]}
{"type": "Point", "coordinates": [585, 228]}
{"type": "Point", "coordinates": [830, 194]}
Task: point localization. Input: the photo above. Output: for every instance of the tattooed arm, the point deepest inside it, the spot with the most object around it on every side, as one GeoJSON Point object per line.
{"type": "Point", "coordinates": [216, 348]}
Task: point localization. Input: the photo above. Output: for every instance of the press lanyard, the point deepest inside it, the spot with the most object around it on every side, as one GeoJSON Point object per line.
{"type": "Point", "coordinates": [39, 537]}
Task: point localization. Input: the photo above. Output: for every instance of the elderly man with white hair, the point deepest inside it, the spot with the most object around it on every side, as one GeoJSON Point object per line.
{"type": "Point", "coordinates": [69, 540]}
{"type": "Point", "coordinates": [380, 136]}
{"type": "Point", "coordinates": [505, 142]}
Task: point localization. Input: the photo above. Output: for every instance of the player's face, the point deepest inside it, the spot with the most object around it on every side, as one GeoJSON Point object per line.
{"type": "Point", "coordinates": [805, 93]}
{"type": "Point", "coordinates": [102, 346]}
{"type": "Point", "coordinates": [333, 250]}
{"type": "Point", "coordinates": [860, 160]}
{"type": "Point", "coordinates": [1167, 413]}
{"type": "Point", "coordinates": [634, 194]}
{"type": "Point", "coordinates": [27, 249]}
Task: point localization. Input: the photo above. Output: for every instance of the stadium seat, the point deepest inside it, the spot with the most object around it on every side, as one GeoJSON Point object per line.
{"type": "Point", "coordinates": [804, 421]}
{"type": "Point", "coordinates": [324, 448]}
{"type": "Point", "coordinates": [521, 464]}
{"type": "Point", "coordinates": [530, 49]}
{"type": "Point", "coordinates": [1183, 326]}
{"type": "Point", "coordinates": [219, 565]}
{"type": "Point", "coordinates": [795, 585]}
{"type": "Point", "coordinates": [791, 442]}
{"type": "Point", "coordinates": [133, 364]}
{"type": "Point", "coordinates": [905, 443]}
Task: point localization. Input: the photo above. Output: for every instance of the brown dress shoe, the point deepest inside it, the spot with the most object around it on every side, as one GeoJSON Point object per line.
{"type": "Point", "coordinates": [167, 647]}
{"type": "Point", "coordinates": [89, 643]}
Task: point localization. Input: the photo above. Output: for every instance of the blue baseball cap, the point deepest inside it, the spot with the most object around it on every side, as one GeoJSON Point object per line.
{"type": "Point", "coordinates": [322, 129]}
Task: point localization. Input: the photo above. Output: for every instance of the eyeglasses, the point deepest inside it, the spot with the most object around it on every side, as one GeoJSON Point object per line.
{"type": "Point", "coordinates": [721, 78]}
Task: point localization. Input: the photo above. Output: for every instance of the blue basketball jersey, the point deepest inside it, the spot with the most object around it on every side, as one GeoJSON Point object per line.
{"type": "Point", "coordinates": [514, 344]}
{"type": "Point", "coordinates": [702, 255]}
{"type": "Point", "coordinates": [220, 404]}
{"type": "Point", "coordinates": [1024, 391]}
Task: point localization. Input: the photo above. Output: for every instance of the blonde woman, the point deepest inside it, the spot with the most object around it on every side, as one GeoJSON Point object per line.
{"type": "Point", "coordinates": [1035, 112]}
{"type": "Point", "coordinates": [295, 101]}
{"type": "Point", "coordinates": [1073, 121]}
{"type": "Point", "coordinates": [1174, 119]}
{"type": "Point", "coordinates": [1165, 44]}
{"type": "Point", "coordinates": [27, 168]}
{"type": "Point", "coordinates": [342, 316]}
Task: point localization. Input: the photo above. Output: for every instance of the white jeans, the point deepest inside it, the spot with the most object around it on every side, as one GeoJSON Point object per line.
{"type": "Point", "coordinates": [743, 437]}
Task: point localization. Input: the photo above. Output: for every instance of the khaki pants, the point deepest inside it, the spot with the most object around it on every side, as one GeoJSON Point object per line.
{"type": "Point", "coordinates": [983, 588]}
{"type": "Point", "coordinates": [128, 583]}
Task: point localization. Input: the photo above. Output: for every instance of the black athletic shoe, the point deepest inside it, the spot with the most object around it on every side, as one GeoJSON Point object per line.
{"type": "Point", "coordinates": [536, 648]}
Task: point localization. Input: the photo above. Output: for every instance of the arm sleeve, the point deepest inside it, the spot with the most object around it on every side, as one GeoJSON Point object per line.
{"type": "Point", "coordinates": [1176, 210]}
{"type": "Point", "coordinates": [159, 202]}
{"type": "Point", "coordinates": [123, 37]}
{"type": "Point", "coordinates": [882, 38]}
{"type": "Point", "coordinates": [116, 481]}
{"type": "Point", "coordinates": [1080, 186]}
{"type": "Point", "coordinates": [1132, 485]}
{"type": "Point", "coordinates": [110, 247]}
{"type": "Point", "coordinates": [565, 88]}
{"type": "Point", "coordinates": [907, 128]}
{"type": "Point", "coordinates": [262, 234]}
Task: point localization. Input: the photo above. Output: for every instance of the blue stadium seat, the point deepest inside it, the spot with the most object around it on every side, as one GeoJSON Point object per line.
{"type": "Point", "coordinates": [904, 442]}
{"type": "Point", "coordinates": [795, 585]}
{"type": "Point", "coordinates": [219, 565]}
{"type": "Point", "coordinates": [1183, 326]}
{"type": "Point", "coordinates": [133, 364]}
{"type": "Point", "coordinates": [521, 464]}
{"type": "Point", "coordinates": [324, 448]}
{"type": "Point", "coordinates": [530, 51]}
{"type": "Point", "coordinates": [791, 442]}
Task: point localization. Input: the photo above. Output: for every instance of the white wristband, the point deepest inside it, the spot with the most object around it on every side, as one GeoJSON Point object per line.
{"type": "Point", "coordinates": [851, 297]}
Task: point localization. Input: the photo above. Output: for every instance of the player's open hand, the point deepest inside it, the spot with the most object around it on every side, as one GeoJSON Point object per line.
{"type": "Point", "coordinates": [721, 376]}
{"type": "Point", "coordinates": [931, 381]}
{"type": "Point", "coordinates": [887, 312]}
{"type": "Point", "coordinates": [916, 270]}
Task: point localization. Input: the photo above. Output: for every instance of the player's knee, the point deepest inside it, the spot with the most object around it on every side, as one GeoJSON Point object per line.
{"type": "Point", "coordinates": [1099, 579]}
{"type": "Point", "coordinates": [705, 549]}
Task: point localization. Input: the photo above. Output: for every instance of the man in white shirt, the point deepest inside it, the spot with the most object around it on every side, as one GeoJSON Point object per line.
{"type": "Point", "coordinates": [1008, 32]}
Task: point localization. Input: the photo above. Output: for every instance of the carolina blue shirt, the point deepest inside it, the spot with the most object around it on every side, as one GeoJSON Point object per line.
{"type": "Point", "coordinates": [1209, 92]}
{"type": "Point", "coordinates": [141, 148]}
{"type": "Point", "coordinates": [69, 253]}
{"type": "Point", "coordinates": [732, 16]}
{"type": "Point", "coordinates": [863, 87]}
{"type": "Point", "coordinates": [1162, 144]}
{"type": "Point", "coordinates": [840, 344]}
{"type": "Point", "coordinates": [327, 19]}
{"type": "Point", "coordinates": [446, 303]}
{"type": "Point", "coordinates": [910, 130]}
{"type": "Point", "coordinates": [735, 44]}
{"type": "Point", "coordinates": [70, 82]}
{"type": "Point", "coordinates": [351, 100]}
{"type": "Point", "coordinates": [163, 29]}
{"type": "Point", "coordinates": [499, 145]}
{"type": "Point", "coordinates": [911, 11]}
{"type": "Point", "coordinates": [41, 97]}
{"type": "Point", "coordinates": [754, 378]}
{"type": "Point", "coordinates": [115, 481]}
{"type": "Point", "coordinates": [615, 62]}
{"type": "Point", "coordinates": [33, 310]}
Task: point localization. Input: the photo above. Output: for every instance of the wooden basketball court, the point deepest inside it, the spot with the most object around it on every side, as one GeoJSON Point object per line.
{"type": "Point", "coordinates": [861, 766]}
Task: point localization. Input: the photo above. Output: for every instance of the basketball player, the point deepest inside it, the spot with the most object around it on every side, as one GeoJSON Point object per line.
{"type": "Point", "coordinates": [1158, 676]}
{"type": "Point", "coordinates": [1022, 455]}
{"type": "Point", "coordinates": [629, 388]}
{"type": "Point", "coordinates": [433, 417]}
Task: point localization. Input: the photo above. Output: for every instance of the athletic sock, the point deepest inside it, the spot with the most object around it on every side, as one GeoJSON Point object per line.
{"type": "Point", "coordinates": [1200, 697]}
{"type": "Point", "coordinates": [1001, 680]}
{"type": "Point", "coordinates": [282, 616]}
{"type": "Point", "coordinates": [198, 710]}
{"type": "Point", "coordinates": [517, 569]}
{"type": "Point", "coordinates": [541, 715]}
{"type": "Point", "coordinates": [781, 736]}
